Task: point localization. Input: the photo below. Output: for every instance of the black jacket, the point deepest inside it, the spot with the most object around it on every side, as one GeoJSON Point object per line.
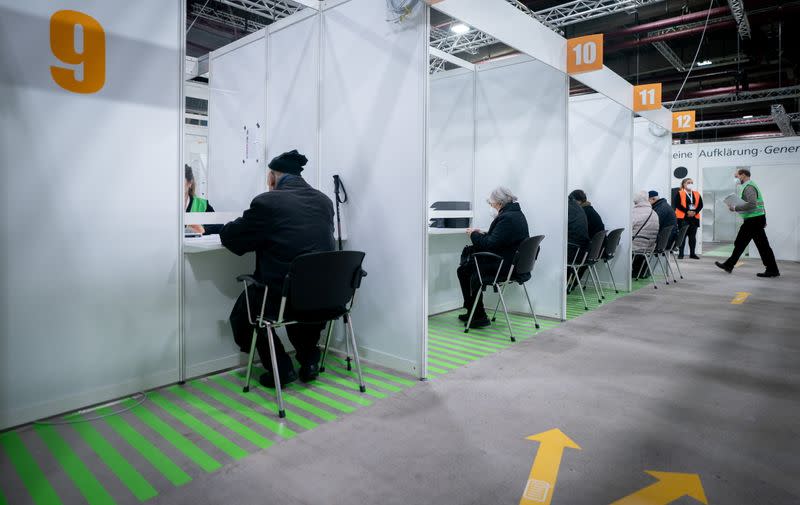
{"type": "Point", "coordinates": [593, 220]}
{"type": "Point", "coordinates": [666, 217]}
{"type": "Point", "coordinates": [505, 234]}
{"type": "Point", "coordinates": [577, 225]}
{"type": "Point", "coordinates": [280, 225]}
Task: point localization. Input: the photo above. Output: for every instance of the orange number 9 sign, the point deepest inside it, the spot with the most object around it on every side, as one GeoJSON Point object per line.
{"type": "Point", "coordinates": [88, 51]}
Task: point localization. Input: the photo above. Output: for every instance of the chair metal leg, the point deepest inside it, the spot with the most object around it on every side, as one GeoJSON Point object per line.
{"type": "Point", "coordinates": [508, 320]}
{"type": "Point", "coordinates": [597, 276]}
{"type": "Point", "coordinates": [641, 266]}
{"type": "Point", "coordinates": [533, 312]}
{"type": "Point", "coordinates": [361, 386]}
{"type": "Point", "coordinates": [250, 358]}
{"type": "Point", "coordinates": [652, 272]}
{"type": "Point", "coordinates": [596, 282]}
{"type": "Point", "coordinates": [677, 264]}
{"type": "Point", "coordinates": [278, 393]}
{"type": "Point", "coordinates": [663, 270]}
{"type": "Point", "coordinates": [472, 310]}
{"type": "Point", "coordinates": [580, 287]}
{"type": "Point", "coordinates": [325, 350]}
{"type": "Point", "coordinates": [497, 306]}
{"type": "Point", "coordinates": [669, 268]}
{"type": "Point", "coordinates": [347, 347]}
{"type": "Point", "coordinates": [611, 274]}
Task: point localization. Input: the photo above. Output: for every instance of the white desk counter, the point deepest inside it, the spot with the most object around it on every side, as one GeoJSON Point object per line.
{"type": "Point", "coordinates": [447, 231]}
{"type": "Point", "coordinates": [205, 243]}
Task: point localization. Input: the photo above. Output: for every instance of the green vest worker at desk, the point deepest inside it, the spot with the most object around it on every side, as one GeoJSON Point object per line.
{"type": "Point", "coordinates": [289, 220]}
{"type": "Point", "coordinates": [194, 203]}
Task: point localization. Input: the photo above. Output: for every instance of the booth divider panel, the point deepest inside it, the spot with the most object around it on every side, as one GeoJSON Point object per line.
{"type": "Point", "coordinates": [521, 136]}
{"type": "Point", "coordinates": [601, 164]}
{"type": "Point", "coordinates": [90, 249]}
{"type": "Point", "coordinates": [651, 159]}
{"type": "Point", "coordinates": [373, 135]}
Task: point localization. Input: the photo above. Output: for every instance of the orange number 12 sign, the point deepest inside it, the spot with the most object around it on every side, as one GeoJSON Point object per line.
{"type": "Point", "coordinates": [89, 55]}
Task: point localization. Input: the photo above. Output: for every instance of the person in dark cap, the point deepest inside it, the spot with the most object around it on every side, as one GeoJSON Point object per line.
{"type": "Point", "coordinates": [666, 215]}
{"type": "Point", "coordinates": [291, 219]}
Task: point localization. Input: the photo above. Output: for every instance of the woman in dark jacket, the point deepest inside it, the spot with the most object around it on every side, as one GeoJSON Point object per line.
{"type": "Point", "coordinates": [505, 234]}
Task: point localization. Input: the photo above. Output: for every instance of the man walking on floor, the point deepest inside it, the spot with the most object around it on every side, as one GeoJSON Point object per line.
{"type": "Point", "coordinates": [755, 221]}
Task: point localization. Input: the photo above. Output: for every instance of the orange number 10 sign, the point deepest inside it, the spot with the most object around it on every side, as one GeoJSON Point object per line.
{"type": "Point", "coordinates": [87, 51]}
{"type": "Point", "coordinates": [585, 54]}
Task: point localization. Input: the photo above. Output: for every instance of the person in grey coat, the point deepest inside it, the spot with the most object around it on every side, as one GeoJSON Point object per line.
{"type": "Point", "coordinates": [645, 223]}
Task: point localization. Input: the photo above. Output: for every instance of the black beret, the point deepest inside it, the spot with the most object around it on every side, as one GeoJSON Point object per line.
{"type": "Point", "coordinates": [289, 163]}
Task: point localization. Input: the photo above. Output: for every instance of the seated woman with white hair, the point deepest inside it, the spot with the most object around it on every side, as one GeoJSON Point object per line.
{"type": "Point", "coordinates": [508, 229]}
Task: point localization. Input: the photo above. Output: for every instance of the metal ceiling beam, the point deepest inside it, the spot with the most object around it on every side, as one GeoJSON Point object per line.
{"type": "Point", "coordinates": [783, 120]}
{"type": "Point", "coordinates": [739, 14]}
{"type": "Point", "coordinates": [739, 98]}
{"type": "Point", "coordinates": [670, 55]}
{"type": "Point", "coordinates": [714, 124]}
{"type": "Point", "coordinates": [272, 10]}
{"type": "Point", "coordinates": [554, 18]}
{"type": "Point", "coordinates": [226, 18]}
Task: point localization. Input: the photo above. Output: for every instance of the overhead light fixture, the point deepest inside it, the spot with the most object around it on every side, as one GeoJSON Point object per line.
{"type": "Point", "coordinates": [459, 28]}
{"type": "Point", "coordinates": [747, 117]}
{"type": "Point", "coordinates": [704, 63]}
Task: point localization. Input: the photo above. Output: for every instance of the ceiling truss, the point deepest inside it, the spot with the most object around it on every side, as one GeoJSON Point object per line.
{"type": "Point", "coordinates": [783, 120]}
{"type": "Point", "coordinates": [670, 55]}
{"type": "Point", "coordinates": [271, 10]}
{"type": "Point", "coordinates": [739, 14]}
{"type": "Point", "coordinates": [741, 97]}
{"type": "Point", "coordinates": [715, 124]}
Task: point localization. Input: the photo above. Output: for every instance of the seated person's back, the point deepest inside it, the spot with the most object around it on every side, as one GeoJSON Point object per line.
{"type": "Point", "coordinates": [645, 223]}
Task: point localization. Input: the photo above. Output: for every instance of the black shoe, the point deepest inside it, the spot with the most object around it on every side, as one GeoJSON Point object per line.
{"type": "Point", "coordinates": [309, 373]}
{"type": "Point", "coordinates": [680, 256]}
{"type": "Point", "coordinates": [463, 317]}
{"type": "Point", "coordinates": [695, 257]}
{"type": "Point", "coordinates": [724, 266]}
{"type": "Point", "coordinates": [268, 381]}
{"type": "Point", "coordinates": [480, 322]}
{"type": "Point", "coordinates": [769, 274]}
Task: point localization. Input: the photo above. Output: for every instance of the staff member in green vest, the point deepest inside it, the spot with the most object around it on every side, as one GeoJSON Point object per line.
{"type": "Point", "coordinates": [194, 203]}
{"type": "Point", "coordinates": [755, 220]}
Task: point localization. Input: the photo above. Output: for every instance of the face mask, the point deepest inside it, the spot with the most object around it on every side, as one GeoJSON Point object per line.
{"type": "Point", "coordinates": [736, 180]}
{"type": "Point", "coordinates": [690, 187]}
{"type": "Point", "coordinates": [494, 212]}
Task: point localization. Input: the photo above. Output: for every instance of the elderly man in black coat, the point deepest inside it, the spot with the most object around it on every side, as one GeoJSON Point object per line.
{"type": "Point", "coordinates": [666, 214]}
{"type": "Point", "coordinates": [291, 219]}
{"type": "Point", "coordinates": [505, 234]}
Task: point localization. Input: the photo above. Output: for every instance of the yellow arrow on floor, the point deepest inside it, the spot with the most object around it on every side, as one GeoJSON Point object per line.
{"type": "Point", "coordinates": [544, 472]}
{"type": "Point", "coordinates": [740, 298]}
{"type": "Point", "coordinates": [670, 487]}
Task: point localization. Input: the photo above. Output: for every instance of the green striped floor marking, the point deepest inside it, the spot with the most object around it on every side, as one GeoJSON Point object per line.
{"type": "Point", "coordinates": [307, 391]}
{"type": "Point", "coordinates": [222, 418]}
{"type": "Point", "coordinates": [87, 484]}
{"type": "Point", "coordinates": [349, 384]}
{"type": "Point", "coordinates": [225, 445]}
{"type": "Point", "coordinates": [291, 400]}
{"type": "Point", "coordinates": [3, 500]}
{"type": "Point", "coordinates": [124, 471]}
{"type": "Point", "coordinates": [367, 379]}
{"type": "Point", "coordinates": [150, 452]}
{"type": "Point", "coordinates": [28, 470]}
{"type": "Point", "coordinates": [262, 402]}
{"type": "Point", "coordinates": [180, 442]}
{"type": "Point", "coordinates": [376, 373]}
{"type": "Point", "coordinates": [266, 421]}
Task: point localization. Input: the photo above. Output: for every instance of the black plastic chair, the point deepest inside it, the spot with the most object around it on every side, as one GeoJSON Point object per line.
{"type": "Point", "coordinates": [522, 265]}
{"type": "Point", "coordinates": [659, 248]}
{"type": "Point", "coordinates": [589, 260]}
{"type": "Point", "coordinates": [610, 252]}
{"type": "Point", "coordinates": [520, 273]}
{"type": "Point", "coordinates": [320, 287]}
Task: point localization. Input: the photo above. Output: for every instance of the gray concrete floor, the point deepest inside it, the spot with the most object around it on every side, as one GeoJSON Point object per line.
{"type": "Point", "coordinates": [676, 379]}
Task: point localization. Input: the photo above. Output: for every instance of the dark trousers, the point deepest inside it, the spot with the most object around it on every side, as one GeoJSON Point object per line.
{"type": "Point", "coordinates": [304, 337]}
{"type": "Point", "coordinates": [470, 283]}
{"type": "Point", "coordinates": [753, 229]}
{"type": "Point", "coordinates": [691, 234]}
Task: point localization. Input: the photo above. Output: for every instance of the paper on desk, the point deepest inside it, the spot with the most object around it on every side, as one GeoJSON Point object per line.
{"type": "Point", "coordinates": [733, 200]}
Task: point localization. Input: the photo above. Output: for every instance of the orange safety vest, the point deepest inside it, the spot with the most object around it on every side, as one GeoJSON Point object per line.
{"type": "Point", "coordinates": [682, 193]}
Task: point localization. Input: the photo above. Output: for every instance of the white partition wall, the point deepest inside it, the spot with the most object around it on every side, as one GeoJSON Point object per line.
{"type": "Point", "coordinates": [373, 135]}
{"type": "Point", "coordinates": [451, 130]}
{"type": "Point", "coordinates": [293, 89]}
{"type": "Point", "coordinates": [237, 123]}
{"type": "Point", "coordinates": [91, 160]}
{"type": "Point", "coordinates": [521, 129]}
{"type": "Point", "coordinates": [600, 163]}
{"type": "Point", "coordinates": [652, 147]}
